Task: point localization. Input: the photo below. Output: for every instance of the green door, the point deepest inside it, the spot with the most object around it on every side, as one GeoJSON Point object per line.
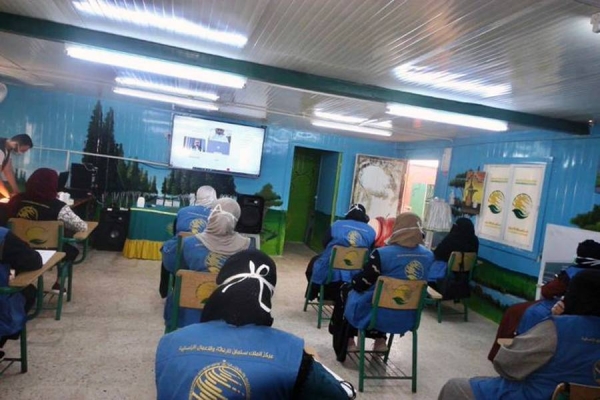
{"type": "Point", "coordinates": [303, 189]}
{"type": "Point", "coordinates": [417, 198]}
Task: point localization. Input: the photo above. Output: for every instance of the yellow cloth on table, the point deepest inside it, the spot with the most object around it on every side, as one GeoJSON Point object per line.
{"type": "Point", "coordinates": [142, 249]}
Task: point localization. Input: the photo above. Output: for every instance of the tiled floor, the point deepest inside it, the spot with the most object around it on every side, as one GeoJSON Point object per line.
{"type": "Point", "coordinates": [103, 348]}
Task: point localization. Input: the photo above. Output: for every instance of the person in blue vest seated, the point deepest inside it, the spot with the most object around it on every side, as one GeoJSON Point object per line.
{"type": "Point", "coordinates": [234, 353]}
{"type": "Point", "coordinates": [351, 231]}
{"type": "Point", "coordinates": [460, 238]}
{"type": "Point", "coordinates": [521, 317]}
{"type": "Point", "coordinates": [192, 218]}
{"type": "Point", "coordinates": [565, 347]}
{"type": "Point", "coordinates": [39, 202]}
{"type": "Point", "coordinates": [15, 254]}
{"type": "Point", "coordinates": [403, 257]}
{"type": "Point", "coordinates": [207, 251]}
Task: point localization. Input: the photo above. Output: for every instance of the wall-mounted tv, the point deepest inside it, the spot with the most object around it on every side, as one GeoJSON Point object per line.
{"type": "Point", "coordinates": [204, 144]}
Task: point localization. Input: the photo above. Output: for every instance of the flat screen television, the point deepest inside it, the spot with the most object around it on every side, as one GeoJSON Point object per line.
{"type": "Point", "coordinates": [208, 145]}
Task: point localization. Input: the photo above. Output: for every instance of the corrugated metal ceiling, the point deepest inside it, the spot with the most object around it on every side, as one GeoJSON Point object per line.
{"type": "Point", "coordinates": [525, 55]}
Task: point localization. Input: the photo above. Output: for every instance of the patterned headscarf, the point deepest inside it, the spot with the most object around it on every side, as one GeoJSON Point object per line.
{"type": "Point", "coordinates": [408, 230]}
{"type": "Point", "coordinates": [246, 284]}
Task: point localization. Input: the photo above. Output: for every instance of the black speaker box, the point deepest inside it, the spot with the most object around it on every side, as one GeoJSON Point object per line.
{"type": "Point", "coordinates": [251, 217]}
{"type": "Point", "coordinates": [112, 230]}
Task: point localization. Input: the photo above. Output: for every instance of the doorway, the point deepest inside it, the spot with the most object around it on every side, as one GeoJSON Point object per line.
{"type": "Point", "coordinates": [419, 186]}
{"type": "Point", "coordinates": [313, 193]}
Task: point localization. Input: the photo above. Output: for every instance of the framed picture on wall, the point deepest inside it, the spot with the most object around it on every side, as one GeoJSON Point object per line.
{"type": "Point", "coordinates": [378, 184]}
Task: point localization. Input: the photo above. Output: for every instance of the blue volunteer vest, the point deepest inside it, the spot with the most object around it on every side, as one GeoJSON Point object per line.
{"type": "Point", "coordinates": [543, 309]}
{"type": "Point", "coordinates": [576, 360]}
{"type": "Point", "coordinates": [189, 219]}
{"type": "Point", "coordinates": [346, 233]}
{"type": "Point", "coordinates": [12, 306]}
{"type": "Point", "coordinates": [196, 257]}
{"type": "Point", "coordinates": [396, 262]}
{"type": "Point", "coordinates": [217, 360]}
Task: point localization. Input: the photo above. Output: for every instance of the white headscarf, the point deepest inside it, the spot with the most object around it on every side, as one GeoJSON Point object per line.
{"type": "Point", "coordinates": [205, 196]}
{"type": "Point", "coordinates": [220, 235]}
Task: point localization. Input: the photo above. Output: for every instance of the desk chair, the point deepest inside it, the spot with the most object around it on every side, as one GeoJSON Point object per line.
{"type": "Point", "coordinates": [46, 235]}
{"type": "Point", "coordinates": [192, 290]}
{"type": "Point", "coordinates": [399, 295]}
{"type": "Point", "coordinates": [178, 258]}
{"type": "Point", "coordinates": [84, 239]}
{"type": "Point", "coordinates": [342, 258]}
{"type": "Point", "coordinates": [459, 264]}
{"type": "Point", "coordinates": [574, 391]}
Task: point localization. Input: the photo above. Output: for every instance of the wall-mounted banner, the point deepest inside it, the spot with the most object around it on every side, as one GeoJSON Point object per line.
{"type": "Point", "coordinates": [494, 207]}
{"type": "Point", "coordinates": [525, 194]}
{"type": "Point", "coordinates": [511, 204]}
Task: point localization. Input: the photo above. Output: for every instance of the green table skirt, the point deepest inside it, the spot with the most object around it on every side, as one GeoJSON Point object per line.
{"type": "Point", "coordinates": [148, 229]}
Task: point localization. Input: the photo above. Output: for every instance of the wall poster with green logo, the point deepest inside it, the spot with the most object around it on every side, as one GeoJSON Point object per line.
{"type": "Point", "coordinates": [511, 203]}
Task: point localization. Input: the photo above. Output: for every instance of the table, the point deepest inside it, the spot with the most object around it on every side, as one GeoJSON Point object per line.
{"type": "Point", "coordinates": [82, 237]}
{"type": "Point", "coordinates": [28, 278]}
{"type": "Point", "coordinates": [149, 228]}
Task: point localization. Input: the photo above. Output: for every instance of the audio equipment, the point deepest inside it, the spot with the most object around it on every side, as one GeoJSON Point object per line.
{"type": "Point", "coordinates": [251, 217]}
{"type": "Point", "coordinates": [112, 229]}
{"type": "Point", "coordinates": [81, 177]}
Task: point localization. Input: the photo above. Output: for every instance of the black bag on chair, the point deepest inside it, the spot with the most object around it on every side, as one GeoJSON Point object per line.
{"type": "Point", "coordinates": [455, 285]}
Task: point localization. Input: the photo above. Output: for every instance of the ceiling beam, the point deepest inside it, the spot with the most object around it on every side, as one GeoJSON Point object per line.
{"type": "Point", "coordinates": [42, 29]}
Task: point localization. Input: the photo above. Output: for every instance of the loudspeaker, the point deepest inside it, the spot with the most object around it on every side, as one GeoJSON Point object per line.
{"type": "Point", "coordinates": [251, 217]}
{"type": "Point", "coordinates": [112, 230]}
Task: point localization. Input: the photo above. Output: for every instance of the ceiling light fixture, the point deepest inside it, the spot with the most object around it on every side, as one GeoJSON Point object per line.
{"type": "Point", "coordinates": [155, 66]}
{"type": "Point", "coordinates": [448, 81]}
{"type": "Point", "coordinates": [157, 87]}
{"type": "Point", "coordinates": [200, 105]}
{"type": "Point", "coordinates": [139, 16]}
{"type": "Point", "coordinates": [446, 117]}
{"type": "Point", "coordinates": [351, 128]}
{"type": "Point", "coordinates": [339, 118]}
{"type": "Point", "coordinates": [387, 124]}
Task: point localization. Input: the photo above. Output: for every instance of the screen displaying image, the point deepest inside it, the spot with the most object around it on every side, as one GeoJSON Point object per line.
{"type": "Point", "coordinates": [203, 144]}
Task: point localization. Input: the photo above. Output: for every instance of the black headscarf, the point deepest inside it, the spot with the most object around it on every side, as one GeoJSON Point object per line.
{"type": "Point", "coordinates": [460, 238]}
{"type": "Point", "coordinates": [238, 299]}
{"type": "Point", "coordinates": [583, 294]}
{"type": "Point", "coordinates": [588, 254]}
{"type": "Point", "coordinates": [357, 212]}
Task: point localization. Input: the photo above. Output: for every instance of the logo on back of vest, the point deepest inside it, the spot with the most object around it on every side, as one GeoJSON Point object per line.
{"type": "Point", "coordinates": [214, 261]}
{"type": "Point", "coordinates": [353, 238]}
{"type": "Point", "coordinates": [220, 381]}
{"type": "Point", "coordinates": [414, 270]}
{"type": "Point", "coordinates": [197, 225]}
{"type": "Point", "coordinates": [28, 212]}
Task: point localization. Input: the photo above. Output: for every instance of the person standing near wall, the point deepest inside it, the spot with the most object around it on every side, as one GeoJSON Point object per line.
{"type": "Point", "coordinates": [18, 144]}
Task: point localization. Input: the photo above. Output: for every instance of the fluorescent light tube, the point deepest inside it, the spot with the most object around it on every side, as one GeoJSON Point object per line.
{"type": "Point", "coordinates": [340, 118]}
{"type": "Point", "coordinates": [167, 99]}
{"type": "Point", "coordinates": [351, 128]}
{"type": "Point", "coordinates": [155, 66]}
{"type": "Point", "coordinates": [448, 81]}
{"type": "Point", "coordinates": [447, 117]}
{"type": "Point", "coordinates": [156, 87]}
{"type": "Point", "coordinates": [381, 124]}
{"type": "Point", "coordinates": [142, 17]}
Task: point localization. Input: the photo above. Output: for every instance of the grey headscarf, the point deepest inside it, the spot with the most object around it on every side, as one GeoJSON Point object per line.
{"type": "Point", "coordinates": [205, 196]}
{"type": "Point", "coordinates": [220, 235]}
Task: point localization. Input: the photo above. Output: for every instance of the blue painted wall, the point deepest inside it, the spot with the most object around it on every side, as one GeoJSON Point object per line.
{"type": "Point", "coordinates": [571, 172]}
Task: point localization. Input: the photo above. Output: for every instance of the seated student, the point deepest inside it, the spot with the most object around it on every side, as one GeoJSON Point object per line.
{"type": "Point", "coordinates": [562, 348]}
{"type": "Point", "coordinates": [234, 351]}
{"type": "Point", "coordinates": [351, 231]}
{"type": "Point", "coordinates": [194, 219]}
{"type": "Point", "coordinates": [208, 250]}
{"type": "Point", "coordinates": [460, 238]}
{"type": "Point", "coordinates": [39, 203]}
{"type": "Point", "coordinates": [403, 257]}
{"type": "Point", "coordinates": [520, 317]}
{"type": "Point", "coordinates": [15, 254]}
